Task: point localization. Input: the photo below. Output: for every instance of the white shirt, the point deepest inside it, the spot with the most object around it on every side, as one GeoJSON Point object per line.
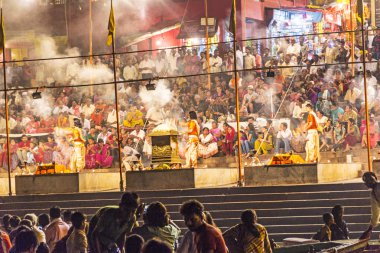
{"type": "Point", "coordinates": [239, 59]}
{"type": "Point", "coordinates": [321, 121]}
{"type": "Point", "coordinates": [104, 137]}
{"type": "Point", "coordinates": [147, 64]}
{"type": "Point", "coordinates": [130, 73]}
{"type": "Point", "coordinates": [88, 110]}
{"type": "Point", "coordinates": [162, 66]}
{"type": "Point", "coordinates": [111, 117]}
{"type": "Point", "coordinates": [86, 123]}
{"type": "Point", "coordinates": [215, 64]}
{"type": "Point", "coordinates": [293, 49]}
{"type": "Point", "coordinates": [172, 59]}
{"type": "Point", "coordinates": [141, 135]}
{"type": "Point", "coordinates": [250, 61]}
{"type": "Point", "coordinates": [58, 110]}
{"type": "Point", "coordinates": [284, 134]}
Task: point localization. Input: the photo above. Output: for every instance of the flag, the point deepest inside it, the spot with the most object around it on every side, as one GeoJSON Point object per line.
{"type": "Point", "coordinates": [2, 32]}
{"type": "Point", "coordinates": [111, 27]}
{"type": "Point", "coordinates": [232, 18]}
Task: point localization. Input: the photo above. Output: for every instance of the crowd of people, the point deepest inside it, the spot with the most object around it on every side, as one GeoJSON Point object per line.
{"type": "Point", "coordinates": [119, 229]}
{"type": "Point", "coordinates": [307, 70]}
{"type": "Point", "coordinates": [134, 227]}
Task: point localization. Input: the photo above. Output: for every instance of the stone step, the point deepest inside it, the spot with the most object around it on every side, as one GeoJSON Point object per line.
{"type": "Point", "coordinates": [206, 198]}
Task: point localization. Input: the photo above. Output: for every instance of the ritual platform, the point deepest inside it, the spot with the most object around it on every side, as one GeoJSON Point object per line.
{"type": "Point", "coordinates": [270, 175]}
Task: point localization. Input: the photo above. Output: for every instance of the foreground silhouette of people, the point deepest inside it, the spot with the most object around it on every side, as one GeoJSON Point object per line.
{"type": "Point", "coordinates": [370, 180]}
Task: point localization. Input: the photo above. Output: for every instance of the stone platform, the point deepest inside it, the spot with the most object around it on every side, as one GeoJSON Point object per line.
{"type": "Point", "coordinates": [66, 183]}
{"type": "Point", "coordinates": [300, 173]}
{"type": "Point", "coordinates": [181, 178]}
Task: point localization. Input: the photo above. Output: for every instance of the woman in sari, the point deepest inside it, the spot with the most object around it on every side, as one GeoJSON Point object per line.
{"type": "Point", "coordinates": [103, 157]}
{"type": "Point", "coordinates": [13, 152]}
{"type": "Point", "coordinates": [207, 145]}
{"type": "Point", "coordinates": [91, 151]}
{"type": "Point", "coordinates": [352, 136]}
{"type": "Point", "coordinates": [373, 135]}
{"type": "Point", "coordinates": [228, 142]}
{"type": "Point", "coordinates": [49, 148]}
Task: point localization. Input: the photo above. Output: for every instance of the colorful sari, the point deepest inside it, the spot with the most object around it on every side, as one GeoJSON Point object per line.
{"type": "Point", "coordinates": [91, 156]}
{"type": "Point", "coordinates": [103, 157]}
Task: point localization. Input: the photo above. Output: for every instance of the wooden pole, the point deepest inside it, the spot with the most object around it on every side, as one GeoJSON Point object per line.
{"type": "Point", "coordinates": [365, 91]}
{"type": "Point", "coordinates": [90, 42]}
{"type": "Point", "coordinates": [117, 109]}
{"type": "Point", "coordinates": [352, 40]}
{"type": "Point", "coordinates": [240, 182]}
{"type": "Point", "coordinates": [90, 32]}
{"type": "Point", "coordinates": [6, 110]}
{"type": "Point", "coordinates": [207, 47]}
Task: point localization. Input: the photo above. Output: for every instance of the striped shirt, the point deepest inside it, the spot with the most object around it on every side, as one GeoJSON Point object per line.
{"type": "Point", "coordinates": [239, 236]}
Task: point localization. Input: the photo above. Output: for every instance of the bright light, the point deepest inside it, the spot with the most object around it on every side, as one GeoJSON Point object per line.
{"type": "Point", "coordinates": [158, 42]}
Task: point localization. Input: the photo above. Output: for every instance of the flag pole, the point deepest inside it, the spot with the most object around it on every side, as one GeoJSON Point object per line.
{"type": "Point", "coordinates": [207, 47]}
{"type": "Point", "coordinates": [6, 103]}
{"type": "Point", "coordinates": [117, 103]}
{"type": "Point", "coordinates": [365, 91]}
{"type": "Point", "coordinates": [240, 182]}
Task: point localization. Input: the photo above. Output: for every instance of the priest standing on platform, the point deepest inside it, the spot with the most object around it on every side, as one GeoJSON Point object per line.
{"type": "Point", "coordinates": [193, 130]}
{"type": "Point", "coordinates": [312, 139]}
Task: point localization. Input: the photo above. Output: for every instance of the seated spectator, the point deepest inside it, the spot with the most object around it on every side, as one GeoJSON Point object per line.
{"type": "Point", "coordinates": [373, 135]}
{"type": "Point", "coordinates": [77, 241]}
{"type": "Point", "coordinates": [252, 135]}
{"type": "Point", "coordinates": [264, 142]}
{"type": "Point", "coordinates": [229, 139]}
{"type": "Point", "coordinates": [352, 136]}
{"type": "Point", "coordinates": [248, 236]}
{"type": "Point", "coordinates": [57, 228]}
{"type": "Point", "coordinates": [103, 156]}
{"type": "Point", "coordinates": [134, 117]}
{"type": "Point", "coordinates": [330, 231]}
{"type": "Point", "coordinates": [298, 142]}
{"type": "Point", "coordinates": [339, 134]}
{"type": "Point", "coordinates": [156, 246]}
{"type": "Point", "coordinates": [338, 212]}
{"type": "Point", "coordinates": [207, 145]}
{"type": "Point", "coordinates": [134, 244]}
{"type": "Point", "coordinates": [244, 142]}
{"type": "Point", "coordinates": [91, 151]}
{"type": "Point", "coordinates": [324, 234]}
{"type": "Point", "coordinates": [157, 224]}
{"type": "Point", "coordinates": [206, 237]}
{"type": "Point", "coordinates": [23, 148]}
{"type": "Point", "coordinates": [327, 136]}
{"type": "Point", "coordinates": [284, 137]}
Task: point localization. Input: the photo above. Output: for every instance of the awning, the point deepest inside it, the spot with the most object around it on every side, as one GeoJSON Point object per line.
{"type": "Point", "coordinates": [158, 29]}
{"type": "Point", "coordinates": [194, 29]}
